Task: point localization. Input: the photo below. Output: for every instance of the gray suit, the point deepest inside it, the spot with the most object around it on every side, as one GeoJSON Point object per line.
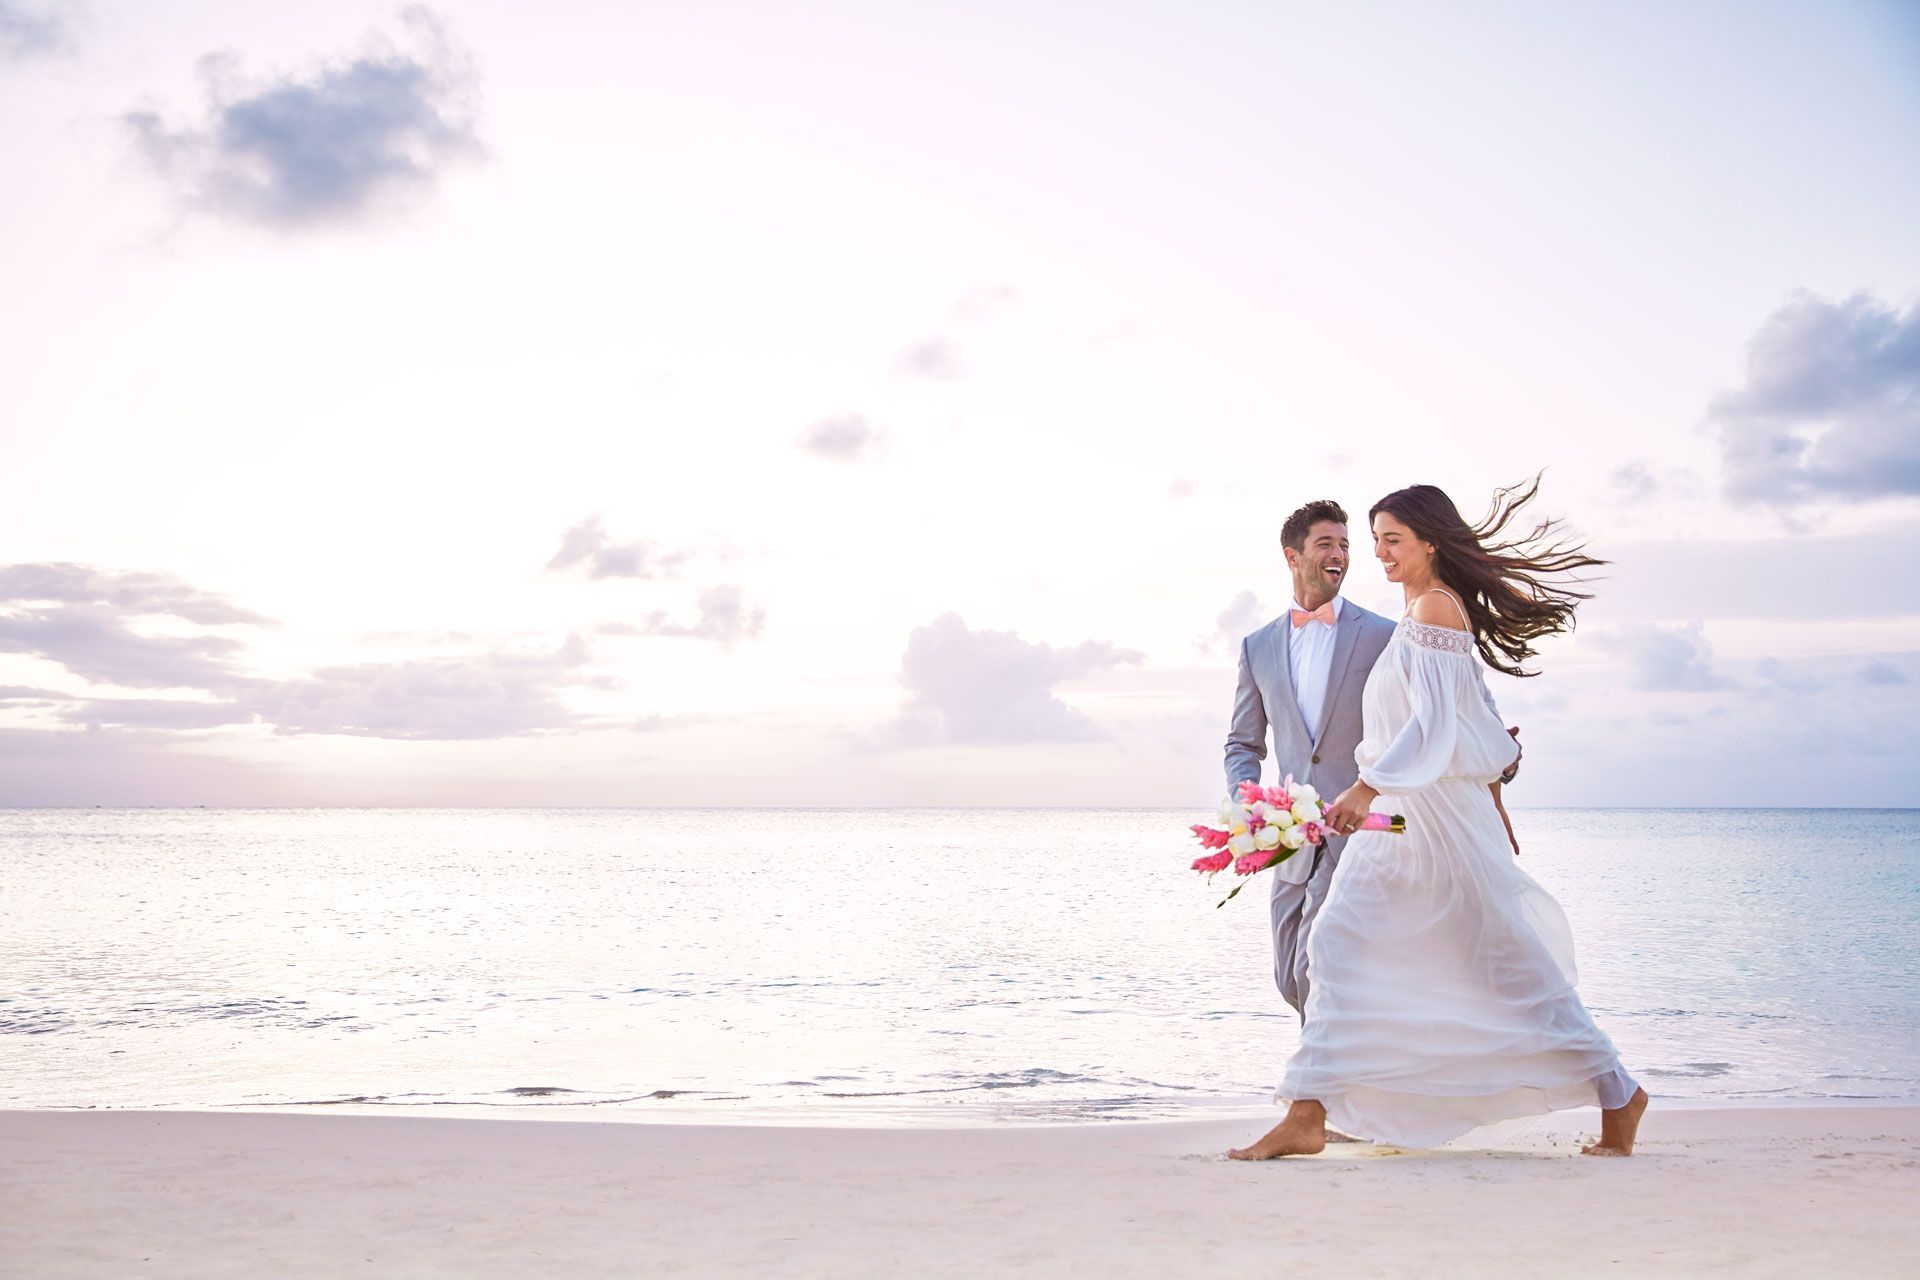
{"type": "Point", "coordinates": [1323, 758]}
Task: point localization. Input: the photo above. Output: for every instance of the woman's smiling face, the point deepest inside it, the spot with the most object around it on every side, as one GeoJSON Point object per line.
{"type": "Point", "coordinates": [1399, 549]}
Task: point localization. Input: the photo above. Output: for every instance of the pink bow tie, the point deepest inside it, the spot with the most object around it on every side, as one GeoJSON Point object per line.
{"type": "Point", "coordinates": [1301, 617]}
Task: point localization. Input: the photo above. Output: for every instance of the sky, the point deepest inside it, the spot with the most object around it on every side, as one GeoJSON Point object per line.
{"type": "Point", "coordinates": [858, 404]}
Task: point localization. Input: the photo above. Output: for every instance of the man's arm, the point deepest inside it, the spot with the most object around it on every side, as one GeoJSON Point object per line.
{"type": "Point", "coordinates": [1247, 734]}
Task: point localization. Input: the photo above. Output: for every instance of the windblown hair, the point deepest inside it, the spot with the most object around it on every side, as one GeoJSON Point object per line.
{"type": "Point", "coordinates": [1294, 532]}
{"type": "Point", "coordinates": [1498, 574]}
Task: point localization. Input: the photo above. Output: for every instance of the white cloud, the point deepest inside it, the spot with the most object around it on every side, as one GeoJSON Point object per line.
{"type": "Point", "coordinates": [844, 438]}
{"type": "Point", "coordinates": [588, 546]}
{"type": "Point", "coordinates": [986, 687]}
{"type": "Point", "coordinates": [725, 617]}
{"type": "Point", "coordinates": [934, 358]}
{"type": "Point", "coordinates": [1667, 658]}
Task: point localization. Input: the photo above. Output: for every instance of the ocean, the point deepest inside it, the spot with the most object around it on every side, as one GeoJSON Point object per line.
{"type": "Point", "coordinates": [959, 966]}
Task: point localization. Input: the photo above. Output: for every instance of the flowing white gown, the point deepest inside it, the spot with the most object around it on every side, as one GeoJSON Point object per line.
{"type": "Point", "coordinates": [1443, 977]}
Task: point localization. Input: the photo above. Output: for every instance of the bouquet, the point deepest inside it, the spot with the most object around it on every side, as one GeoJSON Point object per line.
{"type": "Point", "coordinates": [1262, 827]}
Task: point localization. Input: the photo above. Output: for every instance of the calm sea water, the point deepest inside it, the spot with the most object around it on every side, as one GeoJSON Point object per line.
{"type": "Point", "coordinates": [976, 966]}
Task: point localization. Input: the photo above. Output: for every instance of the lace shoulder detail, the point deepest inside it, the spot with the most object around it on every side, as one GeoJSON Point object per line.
{"type": "Point", "coordinates": [1445, 639]}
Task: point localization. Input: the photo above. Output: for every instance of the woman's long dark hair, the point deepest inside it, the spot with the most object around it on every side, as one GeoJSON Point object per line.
{"type": "Point", "coordinates": [1500, 581]}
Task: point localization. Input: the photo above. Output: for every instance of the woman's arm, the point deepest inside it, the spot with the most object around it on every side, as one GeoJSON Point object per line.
{"type": "Point", "coordinates": [1505, 820]}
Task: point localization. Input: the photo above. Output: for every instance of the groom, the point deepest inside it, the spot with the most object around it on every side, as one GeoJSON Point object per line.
{"type": "Point", "coordinates": [1302, 674]}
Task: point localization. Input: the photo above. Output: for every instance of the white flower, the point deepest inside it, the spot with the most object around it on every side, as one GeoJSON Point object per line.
{"type": "Point", "coordinates": [1293, 837]}
{"type": "Point", "coordinates": [1305, 810]}
{"type": "Point", "coordinates": [1267, 837]}
{"type": "Point", "coordinates": [1281, 818]}
{"type": "Point", "coordinates": [1241, 845]}
{"type": "Point", "coordinates": [1261, 810]}
{"type": "Point", "coordinates": [1304, 791]}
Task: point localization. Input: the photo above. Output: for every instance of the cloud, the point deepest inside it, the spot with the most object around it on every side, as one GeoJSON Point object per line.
{"type": "Point", "coordinates": [588, 544]}
{"type": "Point", "coordinates": [725, 616]}
{"type": "Point", "coordinates": [27, 30]}
{"type": "Point", "coordinates": [934, 358]}
{"type": "Point", "coordinates": [1236, 621]}
{"type": "Point", "coordinates": [21, 695]}
{"type": "Point", "coordinates": [1634, 481]}
{"type": "Point", "coordinates": [82, 767]}
{"type": "Point", "coordinates": [350, 138]}
{"type": "Point", "coordinates": [493, 695]}
{"type": "Point", "coordinates": [1830, 408]}
{"type": "Point", "coordinates": [1728, 578]}
{"type": "Point", "coordinates": [1882, 673]}
{"type": "Point", "coordinates": [136, 593]}
{"type": "Point", "coordinates": [988, 687]}
{"type": "Point", "coordinates": [845, 438]}
{"type": "Point", "coordinates": [1674, 658]}
{"type": "Point", "coordinates": [82, 619]}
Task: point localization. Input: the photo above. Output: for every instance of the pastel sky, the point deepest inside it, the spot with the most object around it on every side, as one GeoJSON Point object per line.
{"type": "Point", "coordinates": [897, 403]}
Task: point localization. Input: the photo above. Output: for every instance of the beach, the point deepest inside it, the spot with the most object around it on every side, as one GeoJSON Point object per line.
{"type": "Point", "coordinates": [1820, 1190]}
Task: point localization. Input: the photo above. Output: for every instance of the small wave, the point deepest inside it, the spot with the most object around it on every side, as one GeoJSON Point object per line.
{"type": "Point", "coordinates": [1692, 1070]}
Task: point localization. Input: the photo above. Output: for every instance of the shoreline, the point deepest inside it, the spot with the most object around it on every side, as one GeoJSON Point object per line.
{"type": "Point", "coordinates": [1748, 1190]}
{"type": "Point", "coordinates": [929, 1118]}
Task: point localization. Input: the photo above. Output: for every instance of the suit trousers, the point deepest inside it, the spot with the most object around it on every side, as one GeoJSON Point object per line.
{"type": "Point", "coordinates": [1293, 907]}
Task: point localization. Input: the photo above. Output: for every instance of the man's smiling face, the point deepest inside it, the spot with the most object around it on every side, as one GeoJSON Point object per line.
{"type": "Point", "coordinates": [1321, 566]}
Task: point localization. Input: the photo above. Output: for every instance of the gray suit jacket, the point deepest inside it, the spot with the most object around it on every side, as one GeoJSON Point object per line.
{"type": "Point", "coordinates": [1324, 758]}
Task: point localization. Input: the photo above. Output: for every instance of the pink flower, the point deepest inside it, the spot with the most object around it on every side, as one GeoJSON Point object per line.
{"type": "Point", "coordinates": [1313, 831]}
{"type": "Point", "coordinates": [1278, 798]}
{"type": "Point", "coordinates": [1209, 837]}
{"type": "Point", "coordinates": [1253, 862]}
{"type": "Point", "coordinates": [1212, 862]}
{"type": "Point", "coordinates": [1249, 792]}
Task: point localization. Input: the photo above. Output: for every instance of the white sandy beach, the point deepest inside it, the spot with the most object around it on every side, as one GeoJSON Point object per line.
{"type": "Point", "coordinates": [1802, 1191]}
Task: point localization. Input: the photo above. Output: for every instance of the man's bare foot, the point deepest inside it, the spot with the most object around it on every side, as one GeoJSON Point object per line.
{"type": "Point", "coordinates": [1302, 1133]}
{"type": "Point", "coordinates": [1618, 1127]}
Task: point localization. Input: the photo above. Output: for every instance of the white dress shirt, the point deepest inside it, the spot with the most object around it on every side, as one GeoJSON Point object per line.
{"type": "Point", "coordinates": [1309, 661]}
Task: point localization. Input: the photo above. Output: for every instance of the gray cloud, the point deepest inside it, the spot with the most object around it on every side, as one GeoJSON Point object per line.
{"type": "Point", "coordinates": [135, 593]}
{"type": "Point", "coordinates": [934, 358]}
{"type": "Point", "coordinates": [1674, 658]}
{"type": "Point", "coordinates": [82, 767]}
{"type": "Point", "coordinates": [1843, 575]}
{"type": "Point", "coordinates": [725, 616]}
{"type": "Point", "coordinates": [21, 695]}
{"type": "Point", "coordinates": [845, 438]}
{"type": "Point", "coordinates": [486, 695]}
{"type": "Point", "coordinates": [1882, 673]}
{"type": "Point", "coordinates": [986, 687]}
{"type": "Point", "coordinates": [350, 138]}
{"type": "Point", "coordinates": [493, 695]}
{"type": "Point", "coordinates": [1830, 407]}
{"type": "Point", "coordinates": [588, 545]}
{"type": "Point", "coordinates": [82, 618]}
{"type": "Point", "coordinates": [1634, 481]}
{"type": "Point", "coordinates": [27, 30]}
{"type": "Point", "coordinates": [1243, 616]}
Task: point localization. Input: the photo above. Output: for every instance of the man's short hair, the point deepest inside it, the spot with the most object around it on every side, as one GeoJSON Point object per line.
{"type": "Point", "coordinates": [1294, 532]}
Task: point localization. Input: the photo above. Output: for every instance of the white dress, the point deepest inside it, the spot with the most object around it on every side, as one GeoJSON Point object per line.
{"type": "Point", "coordinates": [1443, 977]}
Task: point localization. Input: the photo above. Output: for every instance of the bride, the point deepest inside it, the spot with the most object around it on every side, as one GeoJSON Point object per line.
{"type": "Point", "coordinates": [1444, 979]}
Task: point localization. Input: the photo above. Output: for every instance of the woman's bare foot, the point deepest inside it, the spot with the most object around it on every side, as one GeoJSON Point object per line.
{"type": "Point", "coordinates": [1618, 1127]}
{"type": "Point", "coordinates": [1302, 1133]}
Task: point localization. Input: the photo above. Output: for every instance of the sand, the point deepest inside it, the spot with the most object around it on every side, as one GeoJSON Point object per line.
{"type": "Point", "coordinates": [1780, 1191]}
